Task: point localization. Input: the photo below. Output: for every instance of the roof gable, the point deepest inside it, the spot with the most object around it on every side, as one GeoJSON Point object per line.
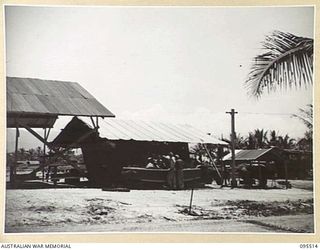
{"type": "Point", "coordinates": [253, 154]}
{"type": "Point", "coordinates": [117, 129]}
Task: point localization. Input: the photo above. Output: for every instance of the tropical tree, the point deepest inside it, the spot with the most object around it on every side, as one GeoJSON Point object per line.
{"type": "Point", "coordinates": [22, 154]}
{"type": "Point", "coordinates": [286, 62]}
{"type": "Point", "coordinates": [240, 141]}
{"type": "Point", "coordinates": [39, 151]}
{"type": "Point", "coordinates": [203, 149]}
{"type": "Point", "coordinates": [306, 116]}
{"type": "Point", "coordinates": [251, 141]}
{"type": "Point", "coordinates": [261, 138]}
{"type": "Point", "coordinates": [254, 140]}
{"type": "Point", "coordinates": [273, 141]}
{"type": "Point", "coordinates": [285, 142]}
{"type": "Point", "coordinates": [198, 149]}
{"type": "Point", "coordinates": [32, 154]}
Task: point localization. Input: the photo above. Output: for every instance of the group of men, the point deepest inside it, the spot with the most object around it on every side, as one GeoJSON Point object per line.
{"type": "Point", "coordinates": [175, 165]}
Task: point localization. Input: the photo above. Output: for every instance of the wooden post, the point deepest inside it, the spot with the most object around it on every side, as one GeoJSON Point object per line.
{"type": "Point", "coordinates": [55, 175]}
{"type": "Point", "coordinates": [61, 153]}
{"type": "Point", "coordinates": [233, 135]}
{"type": "Point", "coordinates": [260, 174]}
{"type": "Point", "coordinates": [223, 175]}
{"type": "Point", "coordinates": [191, 201]}
{"type": "Point", "coordinates": [97, 122]}
{"type": "Point", "coordinates": [13, 168]}
{"type": "Point", "coordinates": [250, 176]}
{"type": "Point", "coordinates": [44, 154]}
{"type": "Point", "coordinates": [286, 172]}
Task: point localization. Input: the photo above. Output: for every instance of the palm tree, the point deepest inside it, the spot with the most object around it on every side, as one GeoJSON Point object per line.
{"type": "Point", "coordinates": [306, 116]}
{"type": "Point", "coordinates": [257, 139]}
{"type": "Point", "coordinates": [22, 154]}
{"type": "Point", "coordinates": [251, 141]}
{"type": "Point", "coordinates": [239, 142]}
{"type": "Point", "coordinates": [285, 142]}
{"type": "Point", "coordinates": [273, 141]}
{"type": "Point", "coordinates": [39, 152]}
{"type": "Point", "coordinates": [260, 138]}
{"type": "Point", "coordinates": [198, 149]}
{"type": "Point", "coordinates": [32, 154]}
{"type": "Point", "coordinates": [287, 62]}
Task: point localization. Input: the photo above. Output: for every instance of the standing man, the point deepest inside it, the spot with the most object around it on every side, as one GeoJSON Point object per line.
{"type": "Point", "coordinates": [172, 171]}
{"type": "Point", "coordinates": [225, 176]}
{"type": "Point", "coordinates": [179, 172]}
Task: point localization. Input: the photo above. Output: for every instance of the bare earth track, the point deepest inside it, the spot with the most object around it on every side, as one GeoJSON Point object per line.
{"type": "Point", "coordinates": [214, 210]}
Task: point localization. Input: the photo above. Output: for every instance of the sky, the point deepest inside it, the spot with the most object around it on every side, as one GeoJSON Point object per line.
{"type": "Point", "coordinates": [172, 64]}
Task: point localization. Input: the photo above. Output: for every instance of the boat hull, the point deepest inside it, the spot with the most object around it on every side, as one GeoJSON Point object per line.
{"type": "Point", "coordinates": [159, 176]}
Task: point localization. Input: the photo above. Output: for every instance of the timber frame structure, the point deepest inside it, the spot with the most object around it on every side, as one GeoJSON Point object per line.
{"type": "Point", "coordinates": [129, 143]}
{"type": "Point", "coordinates": [259, 158]}
{"type": "Point", "coordinates": [35, 103]}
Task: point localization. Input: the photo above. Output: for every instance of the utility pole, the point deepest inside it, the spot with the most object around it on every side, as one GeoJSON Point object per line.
{"type": "Point", "coordinates": [233, 158]}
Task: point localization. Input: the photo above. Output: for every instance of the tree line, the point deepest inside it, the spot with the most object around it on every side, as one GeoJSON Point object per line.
{"type": "Point", "coordinates": [36, 154]}
{"type": "Point", "coordinates": [261, 139]}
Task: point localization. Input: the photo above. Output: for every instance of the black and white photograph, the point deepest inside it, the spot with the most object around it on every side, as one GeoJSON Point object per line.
{"type": "Point", "coordinates": [159, 119]}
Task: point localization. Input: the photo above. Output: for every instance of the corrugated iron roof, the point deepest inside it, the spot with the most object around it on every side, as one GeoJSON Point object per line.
{"type": "Point", "coordinates": [47, 97]}
{"type": "Point", "coordinates": [118, 129]}
{"type": "Point", "coordinates": [247, 154]}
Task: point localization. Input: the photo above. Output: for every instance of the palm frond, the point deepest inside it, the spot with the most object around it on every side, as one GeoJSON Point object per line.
{"type": "Point", "coordinates": [306, 116]}
{"type": "Point", "coordinates": [287, 62]}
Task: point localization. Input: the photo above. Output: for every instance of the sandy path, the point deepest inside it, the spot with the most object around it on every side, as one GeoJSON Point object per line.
{"type": "Point", "coordinates": [185, 226]}
{"type": "Point", "coordinates": [94, 209]}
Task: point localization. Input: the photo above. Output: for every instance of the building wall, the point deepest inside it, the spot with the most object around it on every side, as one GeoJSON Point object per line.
{"type": "Point", "coordinates": [105, 159]}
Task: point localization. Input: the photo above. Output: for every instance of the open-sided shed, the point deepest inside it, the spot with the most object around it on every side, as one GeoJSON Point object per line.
{"type": "Point", "coordinates": [259, 163]}
{"type": "Point", "coordinates": [121, 143]}
{"type": "Point", "coordinates": [35, 103]}
{"type": "Point", "coordinates": [262, 155]}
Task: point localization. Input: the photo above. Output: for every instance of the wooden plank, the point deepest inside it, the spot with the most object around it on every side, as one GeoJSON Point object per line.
{"type": "Point", "coordinates": [72, 91]}
{"type": "Point", "coordinates": [36, 104]}
{"type": "Point", "coordinates": [63, 105]}
{"type": "Point", "coordinates": [82, 91]}
{"type": "Point", "coordinates": [9, 102]}
{"type": "Point", "coordinates": [63, 89]}
{"type": "Point", "coordinates": [82, 106]}
{"type": "Point", "coordinates": [20, 103]}
{"type": "Point", "coordinates": [52, 90]}
{"type": "Point", "coordinates": [39, 86]}
{"type": "Point", "coordinates": [100, 109]}
{"type": "Point", "coordinates": [11, 86]}
{"type": "Point", "coordinates": [48, 102]}
{"type": "Point", "coordinates": [60, 153]}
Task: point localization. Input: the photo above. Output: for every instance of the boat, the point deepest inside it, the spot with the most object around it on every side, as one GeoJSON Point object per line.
{"type": "Point", "coordinates": [201, 174]}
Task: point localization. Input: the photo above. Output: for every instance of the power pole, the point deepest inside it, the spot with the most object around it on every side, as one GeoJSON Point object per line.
{"type": "Point", "coordinates": [233, 158]}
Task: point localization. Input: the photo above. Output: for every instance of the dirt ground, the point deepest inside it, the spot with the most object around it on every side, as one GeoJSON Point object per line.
{"type": "Point", "coordinates": [214, 209]}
